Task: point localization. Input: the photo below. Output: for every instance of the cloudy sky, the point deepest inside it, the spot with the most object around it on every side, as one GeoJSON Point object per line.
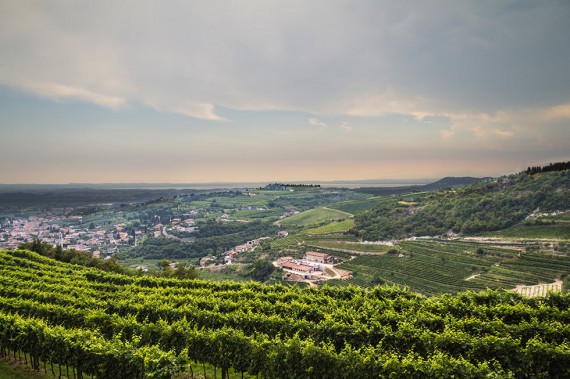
{"type": "Point", "coordinates": [266, 90]}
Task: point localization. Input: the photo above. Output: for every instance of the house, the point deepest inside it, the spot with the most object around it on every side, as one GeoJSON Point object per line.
{"type": "Point", "coordinates": [297, 268]}
{"type": "Point", "coordinates": [282, 260]}
{"type": "Point", "coordinates": [313, 256]}
{"type": "Point", "coordinates": [282, 234]}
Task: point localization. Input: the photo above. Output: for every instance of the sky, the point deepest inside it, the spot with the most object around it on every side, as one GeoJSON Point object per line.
{"type": "Point", "coordinates": [266, 90]}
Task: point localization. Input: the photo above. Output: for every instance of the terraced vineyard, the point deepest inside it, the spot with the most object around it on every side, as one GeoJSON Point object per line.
{"type": "Point", "coordinates": [349, 245]}
{"type": "Point", "coordinates": [550, 227]}
{"type": "Point", "coordinates": [432, 267]}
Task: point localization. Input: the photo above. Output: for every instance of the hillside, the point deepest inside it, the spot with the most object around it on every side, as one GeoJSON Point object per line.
{"type": "Point", "coordinates": [484, 206]}
{"type": "Point", "coordinates": [114, 326]}
{"type": "Point", "coordinates": [446, 182]}
{"type": "Point", "coordinates": [315, 216]}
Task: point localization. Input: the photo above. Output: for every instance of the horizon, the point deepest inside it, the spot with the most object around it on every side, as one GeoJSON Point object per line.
{"type": "Point", "coordinates": [209, 92]}
{"type": "Point", "coordinates": [386, 182]}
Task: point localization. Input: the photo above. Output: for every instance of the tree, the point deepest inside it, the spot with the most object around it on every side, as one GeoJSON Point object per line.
{"type": "Point", "coordinates": [184, 271]}
{"type": "Point", "coordinates": [40, 247]}
{"type": "Point", "coordinates": [261, 270]}
{"type": "Point", "coordinates": [165, 265]}
{"type": "Point", "coordinates": [377, 279]}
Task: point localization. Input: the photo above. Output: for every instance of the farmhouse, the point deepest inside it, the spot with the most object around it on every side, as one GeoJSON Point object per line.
{"type": "Point", "coordinates": [313, 256]}
{"type": "Point", "coordinates": [282, 260]}
{"type": "Point", "coordinates": [298, 268]}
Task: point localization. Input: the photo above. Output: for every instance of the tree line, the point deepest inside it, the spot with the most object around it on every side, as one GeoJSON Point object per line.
{"type": "Point", "coordinates": [558, 166]}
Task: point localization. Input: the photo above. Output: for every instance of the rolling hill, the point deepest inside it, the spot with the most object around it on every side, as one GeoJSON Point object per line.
{"type": "Point", "coordinates": [484, 206]}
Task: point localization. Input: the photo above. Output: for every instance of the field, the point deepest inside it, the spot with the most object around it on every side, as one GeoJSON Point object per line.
{"type": "Point", "coordinates": [248, 214]}
{"type": "Point", "coordinates": [333, 227]}
{"type": "Point", "coordinates": [315, 216]}
{"type": "Point", "coordinates": [432, 267]}
{"type": "Point", "coordinates": [557, 227]}
{"type": "Point", "coordinates": [540, 289]}
{"type": "Point", "coordinates": [346, 245]}
{"type": "Point", "coordinates": [357, 206]}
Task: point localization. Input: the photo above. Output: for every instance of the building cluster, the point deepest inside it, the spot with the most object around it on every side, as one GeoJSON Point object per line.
{"type": "Point", "coordinates": [73, 232]}
{"type": "Point", "coordinates": [60, 231]}
{"type": "Point", "coordinates": [249, 245]}
{"type": "Point", "coordinates": [312, 267]}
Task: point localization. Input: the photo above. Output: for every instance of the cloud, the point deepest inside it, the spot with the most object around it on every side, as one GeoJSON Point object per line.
{"type": "Point", "coordinates": [346, 126]}
{"type": "Point", "coordinates": [199, 110]}
{"type": "Point", "coordinates": [389, 57]}
{"type": "Point", "coordinates": [316, 122]}
{"type": "Point", "coordinates": [557, 112]}
{"type": "Point", "coordinates": [59, 92]}
{"type": "Point", "coordinates": [503, 133]}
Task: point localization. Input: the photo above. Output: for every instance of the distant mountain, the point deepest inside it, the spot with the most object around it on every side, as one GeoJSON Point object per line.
{"type": "Point", "coordinates": [452, 181]}
{"type": "Point", "coordinates": [446, 182]}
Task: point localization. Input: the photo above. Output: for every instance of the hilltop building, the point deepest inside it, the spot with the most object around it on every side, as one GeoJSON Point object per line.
{"type": "Point", "coordinates": [313, 256]}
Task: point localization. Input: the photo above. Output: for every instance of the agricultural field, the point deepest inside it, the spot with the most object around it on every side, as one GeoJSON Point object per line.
{"type": "Point", "coordinates": [98, 324]}
{"type": "Point", "coordinates": [247, 214]}
{"type": "Point", "coordinates": [315, 216]}
{"type": "Point", "coordinates": [348, 245]}
{"type": "Point", "coordinates": [550, 227]}
{"type": "Point", "coordinates": [432, 267]}
{"type": "Point", "coordinates": [360, 205]}
{"type": "Point", "coordinates": [333, 227]}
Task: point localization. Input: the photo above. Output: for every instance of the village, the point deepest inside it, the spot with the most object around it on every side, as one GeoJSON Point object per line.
{"type": "Point", "coordinates": [70, 232]}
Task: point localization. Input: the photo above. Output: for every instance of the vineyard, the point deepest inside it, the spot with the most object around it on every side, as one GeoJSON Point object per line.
{"type": "Point", "coordinates": [105, 325]}
{"type": "Point", "coordinates": [334, 227]}
{"type": "Point", "coordinates": [315, 216]}
{"type": "Point", "coordinates": [433, 267]}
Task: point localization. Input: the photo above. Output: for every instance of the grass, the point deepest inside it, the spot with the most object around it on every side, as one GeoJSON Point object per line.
{"type": "Point", "coordinates": [255, 214]}
{"type": "Point", "coordinates": [10, 369]}
{"type": "Point", "coordinates": [357, 206]}
{"type": "Point", "coordinates": [315, 216]}
{"type": "Point", "coordinates": [334, 227]}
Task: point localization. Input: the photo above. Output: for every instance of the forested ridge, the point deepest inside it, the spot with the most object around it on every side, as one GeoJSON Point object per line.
{"type": "Point", "coordinates": [486, 206]}
{"type": "Point", "coordinates": [111, 325]}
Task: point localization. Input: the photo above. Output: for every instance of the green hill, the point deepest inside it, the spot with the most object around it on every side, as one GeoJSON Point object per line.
{"type": "Point", "coordinates": [315, 216]}
{"type": "Point", "coordinates": [446, 182]}
{"type": "Point", "coordinates": [485, 206]}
